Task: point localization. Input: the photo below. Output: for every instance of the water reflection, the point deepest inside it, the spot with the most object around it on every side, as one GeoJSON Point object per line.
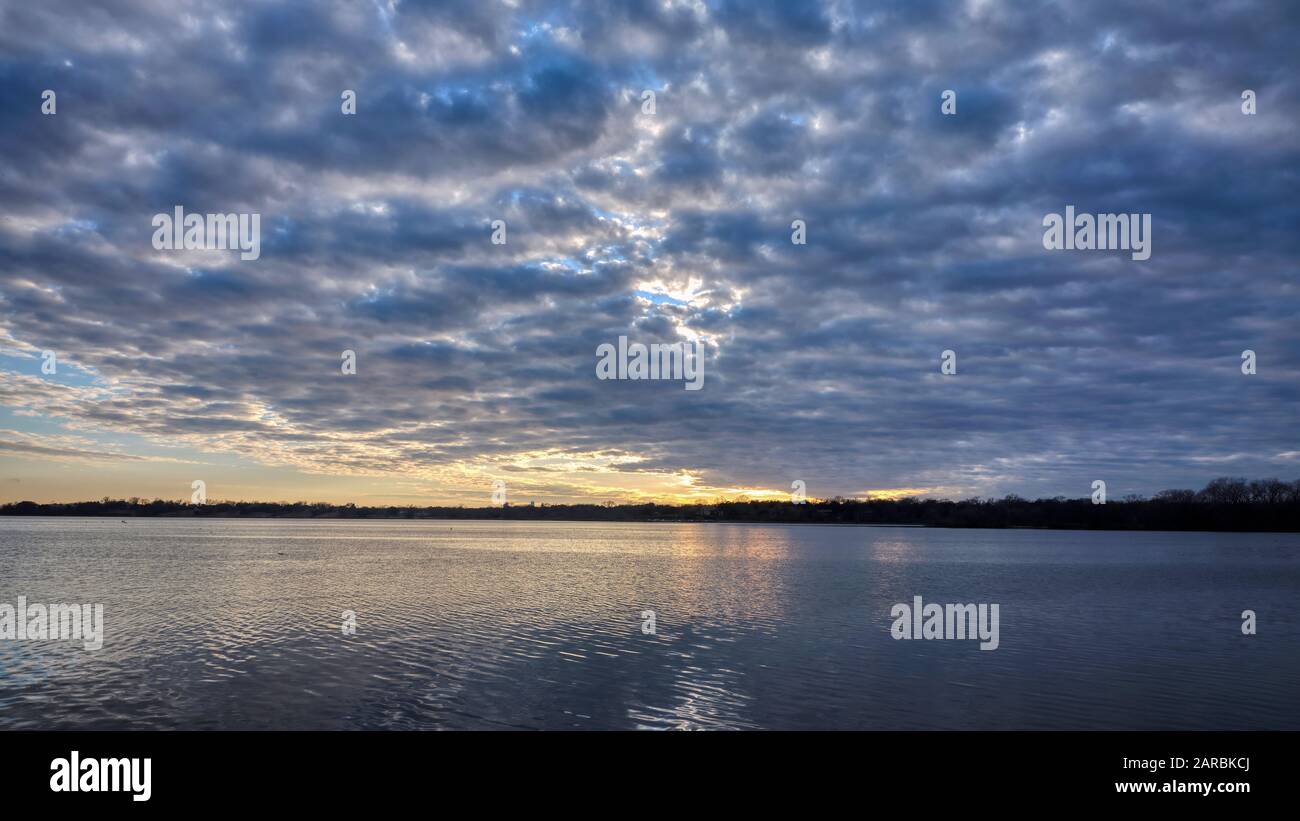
{"type": "Point", "coordinates": [235, 624]}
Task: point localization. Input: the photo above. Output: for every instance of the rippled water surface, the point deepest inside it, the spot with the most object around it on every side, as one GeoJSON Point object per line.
{"type": "Point", "coordinates": [235, 624]}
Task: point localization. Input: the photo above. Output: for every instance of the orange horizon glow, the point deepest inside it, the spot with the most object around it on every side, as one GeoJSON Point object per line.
{"type": "Point", "coordinates": [539, 478]}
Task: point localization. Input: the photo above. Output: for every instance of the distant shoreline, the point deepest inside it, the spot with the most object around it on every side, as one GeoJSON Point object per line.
{"type": "Point", "coordinates": [487, 519]}
{"type": "Point", "coordinates": [1223, 506]}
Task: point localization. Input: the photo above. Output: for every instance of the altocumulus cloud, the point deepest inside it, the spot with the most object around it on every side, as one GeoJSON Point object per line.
{"type": "Point", "coordinates": [477, 360]}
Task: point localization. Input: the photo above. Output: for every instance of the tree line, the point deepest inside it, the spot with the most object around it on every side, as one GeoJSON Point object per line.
{"type": "Point", "coordinates": [1225, 504]}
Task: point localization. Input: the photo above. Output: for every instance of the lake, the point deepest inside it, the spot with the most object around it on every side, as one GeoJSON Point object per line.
{"type": "Point", "coordinates": [237, 624]}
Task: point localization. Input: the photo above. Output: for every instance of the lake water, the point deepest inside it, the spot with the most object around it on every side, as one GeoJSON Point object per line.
{"type": "Point", "coordinates": [236, 624]}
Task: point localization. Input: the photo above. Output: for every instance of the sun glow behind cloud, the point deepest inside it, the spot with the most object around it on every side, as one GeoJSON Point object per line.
{"type": "Point", "coordinates": [476, 362]}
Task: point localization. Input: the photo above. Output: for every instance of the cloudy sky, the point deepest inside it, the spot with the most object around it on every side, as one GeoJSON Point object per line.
{"type": "Point", "coordinates": [477, 361]}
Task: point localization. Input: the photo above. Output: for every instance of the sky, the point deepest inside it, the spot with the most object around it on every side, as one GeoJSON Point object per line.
{"type": "Point", "coordinates": [476, 361]}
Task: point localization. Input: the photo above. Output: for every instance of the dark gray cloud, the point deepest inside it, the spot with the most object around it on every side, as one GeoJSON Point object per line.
{"type": "Point", "coordinates": [924, 234]}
